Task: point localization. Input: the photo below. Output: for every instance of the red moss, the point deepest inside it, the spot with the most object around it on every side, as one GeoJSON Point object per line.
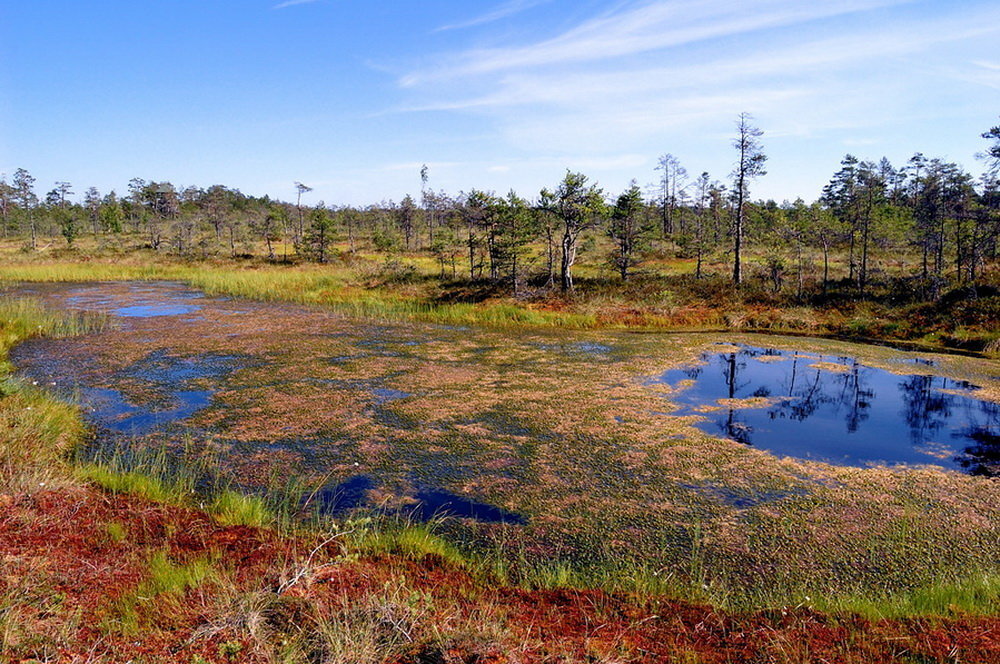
{"type": "Point", "coordinates": [60, 540]}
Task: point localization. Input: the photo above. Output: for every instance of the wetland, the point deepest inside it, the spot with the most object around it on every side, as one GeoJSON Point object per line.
{"type": "Point", "coordinates": [738, 463]}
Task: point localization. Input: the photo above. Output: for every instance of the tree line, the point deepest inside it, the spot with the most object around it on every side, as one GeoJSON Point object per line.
{"type": "Point", "coordinates": [927, 207]}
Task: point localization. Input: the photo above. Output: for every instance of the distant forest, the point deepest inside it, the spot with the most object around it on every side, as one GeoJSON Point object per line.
{"type": "Point", "coordinates": [944, 220]}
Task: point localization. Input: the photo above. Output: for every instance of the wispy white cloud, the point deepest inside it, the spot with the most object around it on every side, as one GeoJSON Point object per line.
{"type": "Point", "coordinates": [648, 26]}
{"type": "Point", "coordinates": [981, 73]}
{"type": "Point", "coordinates": [501, 12]}
{"type": "Point", "coordinates": [805, 83]}
{"type": "Point", "coordinates": [292, 3]}
{"type": "Point", "coordinates": [573, 88]}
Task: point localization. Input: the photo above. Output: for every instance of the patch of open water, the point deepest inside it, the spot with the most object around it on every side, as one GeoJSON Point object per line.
{"type": "Point", "coordinates": [141, 301]}
{"type": "Point", "coordinates": [154, 310]}
{"type": "Point", "coordinates": [114, 411]}
{"type": "Point", "coordinates": [836, 410]}
{"type": "Point", "coordinates": [340, 498]}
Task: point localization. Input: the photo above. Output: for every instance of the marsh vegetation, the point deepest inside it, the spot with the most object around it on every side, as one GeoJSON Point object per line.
{"type": "Point", "coordinates": [555, 452]}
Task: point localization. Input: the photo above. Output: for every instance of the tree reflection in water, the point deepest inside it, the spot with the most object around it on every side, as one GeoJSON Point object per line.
{"type": "Point", "coordinates": [842, 411]}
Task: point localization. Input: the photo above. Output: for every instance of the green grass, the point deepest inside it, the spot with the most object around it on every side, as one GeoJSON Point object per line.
{"type": "Point", "coordinates": [159, 477]}
{"type": "Point", "coordinates": [36, 429]}
{"type": "Point", "coordinates": [164, 587]}
{"type": "Point", "coordinates": [334, 287]}
{"type": "Point", "coordinates": [24, 318]}
{"type": "Point", "coordinates": [977, 594]}
{"type": "Point", "coordinates": [614, 575]}
{"type": "Point", "coordinates": [389, 535]}
{"type": "Point", "coordinates": [152, 475]}
{"type": "Point", "coordinates": [660, 298]}
{"type": "Point", "coordinates": [142, 483]}
{"type": "Point", "coordinates": [167, 577]}
{"type": "Point", "coordinates": [233, 508]}
{"type": "Point", "coordinates": [507, 562]}
{"type": "Point", "coordinates": [115, 531]}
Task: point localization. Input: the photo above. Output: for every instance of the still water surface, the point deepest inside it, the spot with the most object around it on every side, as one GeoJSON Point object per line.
{"type": "Point", "coordinates": [838, 410]}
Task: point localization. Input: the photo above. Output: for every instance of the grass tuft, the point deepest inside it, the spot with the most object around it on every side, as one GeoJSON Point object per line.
{"type": "Point", "coordinates": [390, 535]}
{"type": "Point", "coordinates": [232, 508]}
{"type": "Point", "coordinates": [36, 429]}
{"type": "Point", "coordinates": [115, 531]}
{"type": "Point", "coordinates": [977, 594]}
{"type": "Point", "coordinates": [164, 587]}
{"type": "Point", "coordinates": [174, 490]}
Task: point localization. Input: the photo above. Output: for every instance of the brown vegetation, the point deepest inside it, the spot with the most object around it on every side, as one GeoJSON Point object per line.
{"type": "Point", "coordinates": [76, 563]}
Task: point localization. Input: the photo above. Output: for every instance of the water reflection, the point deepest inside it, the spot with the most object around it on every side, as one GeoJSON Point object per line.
{"type": "Point", "coordinates": [339, 498]}
{"type": "Point", "coordinates": [155, 310]}
{"type": "Point", "coordinates": [838, 410]}
{"type": "Point", "coordinates": [115, 412]}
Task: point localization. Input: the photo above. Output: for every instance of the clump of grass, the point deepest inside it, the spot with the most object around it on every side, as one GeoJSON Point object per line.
{"type": "Point", "coordinates": [164, 588]}
{"type": "Point", "coordinates": [387, 622]}
{"type": "Point", "coordinates": [233, 508]}
{"type": "Point", "coordinates": [977, 594]}
{"type": "Point", "coordinates": [150, 475]}
{"type": "Point", "coordinates": [168, 577]}
{"type": "Point", "coordinates": [36, 430]}
{"type": "Point", "coordinates": [68, 270]}
{"type": "Point", "coordinates": [394, 535]}
{"type": "Point", "coordinates": [24, 318]}
{"type": "Point", "coordinates": [616, 575]}
{"type": "Point", "coordinates": [28, 317]}
{"type": "Point", "coordinates": [115, 531]}
{"type": "Point", "coordinates": [134, 482]}
{"type": "Point", "coordinates": [381, 627]}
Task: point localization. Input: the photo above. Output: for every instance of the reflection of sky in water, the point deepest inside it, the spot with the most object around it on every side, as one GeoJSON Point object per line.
{"type": "Point", "coordinates": [384, 395]}
{"type": "Point", "coordinates": [110, 409]}
{"type": "Point", "coordinates": [855, 417]}
{"type": "Point", "coordinates": [144, 300]}
{"type": "Point", "coordinates": [171, 378]}
{"type": "Point", "coordinates": [154, 310]}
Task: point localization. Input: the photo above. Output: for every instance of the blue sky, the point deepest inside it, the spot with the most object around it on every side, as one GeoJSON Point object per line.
{"type": "Point", "coordinates": [352, 97]}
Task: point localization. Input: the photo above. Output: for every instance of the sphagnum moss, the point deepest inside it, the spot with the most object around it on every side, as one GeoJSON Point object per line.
{"type": "Point", "coordinates": [556, 457]}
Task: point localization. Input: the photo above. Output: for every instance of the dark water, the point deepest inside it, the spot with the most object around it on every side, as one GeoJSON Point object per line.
{"type": "Point", "coordinates": [189, 360]}
{"type": "Point", "coordinates": [174, 379]}
{"type": "Point", "coordinates": [175, 387]}
{"type": "Point", "coordinates": [436, 503]}
{"type": "Point", "coordinates": [113, 411]}
{"type": "Point", "coordinates": [340, 498]}
{"type": "Point", "coordinates": [385, 395]}
{"type": "Point", "coordinates": [165, 390]}
{"type": "Point", "coordinates": [860, 416]}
